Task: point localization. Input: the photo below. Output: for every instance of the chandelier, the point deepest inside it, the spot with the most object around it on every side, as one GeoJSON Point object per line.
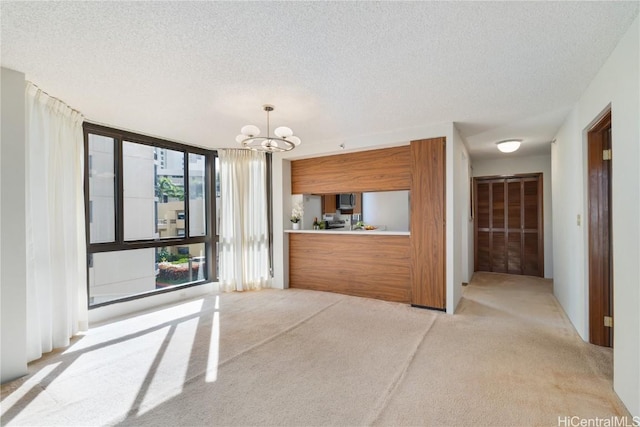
{"type": "Point", "coordinates": [284, 140]}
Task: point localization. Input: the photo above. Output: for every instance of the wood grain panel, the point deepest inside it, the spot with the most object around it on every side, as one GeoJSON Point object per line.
{"type": "Point", "coordinates": [509, 224]}
{"type": "Point", "coordinates": [514, 216]}
{"type": "Point", "coordinates": [531, 204]}
{"type": "Point", "coordinates": [497, 191]}
{"type": "Point", "coordinates": [483, 204]}
{"type": "Point", "coordinates": [374, 170]}
{"type": "Point", "coordinates": [514, 252]}
{"type": "Point", "coordinates": [531, 264]}
{"type": "Point", "coordinates": [483, 253]}
{"type": "Point", "coordinates": [361, 265]}
{"type": "Point", "coordinates": [329, 203]}
{"type": "Point", "coordinates": [428, 213]}
{"type": "Point", "coordinates": [498, 252]}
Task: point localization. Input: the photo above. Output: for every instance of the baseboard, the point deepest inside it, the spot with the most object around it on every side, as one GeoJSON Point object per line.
{"type": "Point", "coordinates": [428, 308]}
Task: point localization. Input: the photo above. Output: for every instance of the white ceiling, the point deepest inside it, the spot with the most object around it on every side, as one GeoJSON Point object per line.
{"type": "Point", "coordinates": [195, 72]}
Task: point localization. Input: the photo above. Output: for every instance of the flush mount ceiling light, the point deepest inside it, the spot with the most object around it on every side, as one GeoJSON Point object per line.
{"type": "Point", "coordinates": [284, 140]}
{"type": "Point", "coordinates": [509, 146]}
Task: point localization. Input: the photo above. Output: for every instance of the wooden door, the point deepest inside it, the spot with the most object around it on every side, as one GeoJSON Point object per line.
{"type": "Point", "coordinates": [508, 225]}
{"type": "Point", "coordinates": [600, 259]}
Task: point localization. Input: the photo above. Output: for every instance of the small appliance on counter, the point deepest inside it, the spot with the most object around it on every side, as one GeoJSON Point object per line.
{"type": "Point", "coordinates": [333, 221]}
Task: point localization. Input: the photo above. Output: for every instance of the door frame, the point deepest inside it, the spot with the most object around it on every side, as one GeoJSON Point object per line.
{"type": "Point", "coordinates": [599, 232]}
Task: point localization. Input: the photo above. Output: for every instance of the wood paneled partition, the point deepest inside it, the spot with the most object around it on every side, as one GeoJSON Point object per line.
{"type": "Point", "coordinates": [394, 268]}
{"type": "Point", "coordinates": [371, 266]}
{"type": "Point", "coordinates": [428, 221]}
{"type": "Point", "coordinates": [386, 169]}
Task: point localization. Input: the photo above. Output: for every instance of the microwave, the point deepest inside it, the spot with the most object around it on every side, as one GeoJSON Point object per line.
{"type": "Point", "coordinates": [346, 201]}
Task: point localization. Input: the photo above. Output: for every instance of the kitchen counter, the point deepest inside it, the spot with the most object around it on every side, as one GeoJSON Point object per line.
{"type": "Point", "coordinates": [352, 232]}
{"type": "Point", "coordinates": [370, 264]}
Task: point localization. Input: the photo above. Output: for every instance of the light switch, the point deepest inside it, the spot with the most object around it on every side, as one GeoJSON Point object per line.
{"type": "Point", "coordinates": [578, 220]}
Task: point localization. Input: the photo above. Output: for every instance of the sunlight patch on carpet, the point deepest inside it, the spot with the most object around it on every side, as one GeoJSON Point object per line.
{"type": "Point", "coordinates": [214, 349]}
{"type": "Point", "coordinates": [26, 387]}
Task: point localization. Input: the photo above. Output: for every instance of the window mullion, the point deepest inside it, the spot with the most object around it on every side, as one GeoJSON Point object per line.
{"type": "Point", "coordinates": [119, 184]}
{"type": "Point", "coordinates": [210, 211]}
{"type": "Point", "coordinates": [187, 197]}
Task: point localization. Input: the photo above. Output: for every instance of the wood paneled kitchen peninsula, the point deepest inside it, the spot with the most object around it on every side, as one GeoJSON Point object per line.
{"type": "Point", "coordinates": [406, 268]}
{"type": "Point", "coordinates": [370, 264]}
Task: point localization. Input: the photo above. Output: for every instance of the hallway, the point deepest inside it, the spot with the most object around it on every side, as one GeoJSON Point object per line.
{"type": "Point", "coordinates": [509, 356]}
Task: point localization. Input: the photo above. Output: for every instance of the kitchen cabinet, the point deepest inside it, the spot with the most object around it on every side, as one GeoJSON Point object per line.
{"type": "Point", "coordinates": [358, 208]}
{"type": "Point", "coordinates": [329, 204]}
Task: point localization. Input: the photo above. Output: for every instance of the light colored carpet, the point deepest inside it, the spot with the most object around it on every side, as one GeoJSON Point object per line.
{"type": "Point", "coordinates": [296, 357]}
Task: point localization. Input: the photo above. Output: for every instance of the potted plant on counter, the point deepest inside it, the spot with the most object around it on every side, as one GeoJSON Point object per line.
{"type": "Point", "coordinates": [296, 216]}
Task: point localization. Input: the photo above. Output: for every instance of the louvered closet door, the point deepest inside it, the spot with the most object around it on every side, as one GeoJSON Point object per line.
{"type": "Point", "coordinates": [508, 225]}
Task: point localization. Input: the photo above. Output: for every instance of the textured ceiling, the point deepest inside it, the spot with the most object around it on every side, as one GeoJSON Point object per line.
{"type": "Point", "coordinates": [196, 72]}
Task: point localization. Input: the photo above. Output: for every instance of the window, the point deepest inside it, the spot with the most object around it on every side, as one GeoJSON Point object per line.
{"type": "Point", "coordinates": [150, 207]}
{"type": "Point", "coordinates": [101, 178]}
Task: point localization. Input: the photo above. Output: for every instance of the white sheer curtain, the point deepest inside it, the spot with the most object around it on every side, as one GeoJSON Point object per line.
{"type": "Point", "coordinates": [244, 235]}
{"type": "Point", "coordinates": [56, 251]}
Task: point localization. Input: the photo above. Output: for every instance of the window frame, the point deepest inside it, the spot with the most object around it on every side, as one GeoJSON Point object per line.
{"type": "Point", "coordinates": [120, 244]}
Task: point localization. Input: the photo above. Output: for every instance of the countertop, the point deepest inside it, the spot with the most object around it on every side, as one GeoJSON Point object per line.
{"type": "Point", "coordinates": [357, 232]}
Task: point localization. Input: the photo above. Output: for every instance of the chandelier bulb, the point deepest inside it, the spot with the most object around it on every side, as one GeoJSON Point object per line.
{"type": "Point", "coordinates": [283, 132]}
{"type": "Point", "coordinates": [294, 139]}
{"type": "Point", "coordinates": [250, 130]}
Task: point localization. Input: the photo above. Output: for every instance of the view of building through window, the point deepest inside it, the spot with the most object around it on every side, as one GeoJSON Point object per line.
{"type": "Point", "coordinates": [155, 234]}
{"type": "Point", "coordinates": [101, 189]}
{"type": "Point", "coordinates": [197, 208]}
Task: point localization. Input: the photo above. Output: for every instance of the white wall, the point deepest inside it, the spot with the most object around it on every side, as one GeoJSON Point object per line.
{"type": "Point", "coordinates": [457, 217]}
{"type": "Point", "coordinates": [281, 193]}
{"type": "Point", "coordinates": [388, 209]}
{"type": "Point", "coordinates": [512, 165]}
{"type": "Point", "coordinates": [466, 222]}
{"type": "Point", "coordinates": [617, 84]}
{"type": "Point", "coordinates": [311, 208]}
{"type": "Point", "coordinates": [13, 251]}
{"type": "Point", "coordinates": [568, 193]}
